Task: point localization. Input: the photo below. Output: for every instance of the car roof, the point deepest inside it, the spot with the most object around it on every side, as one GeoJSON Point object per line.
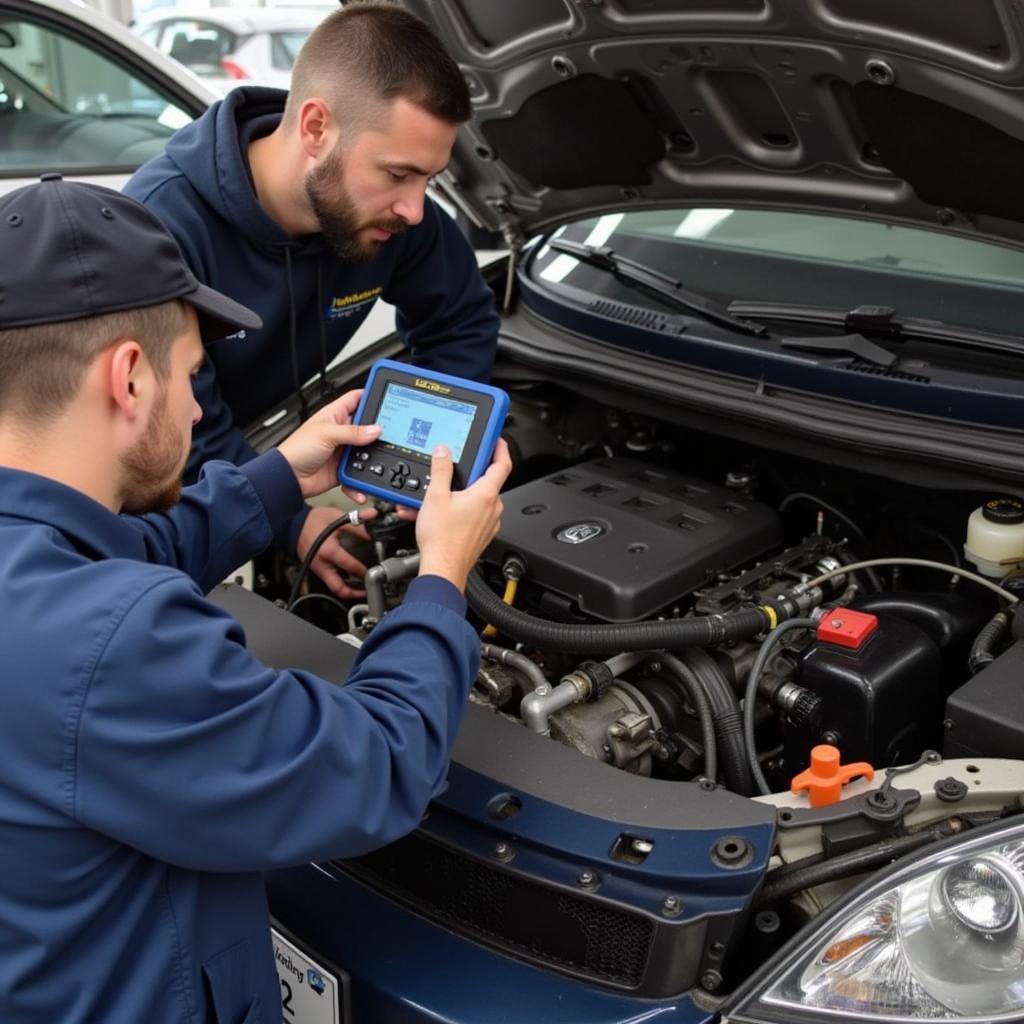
{"type": "Point", "coordinates": [244, 20]}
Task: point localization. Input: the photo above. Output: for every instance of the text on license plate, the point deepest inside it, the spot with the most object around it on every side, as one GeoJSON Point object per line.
{"type": "Point", "coordinates": [309, 992]}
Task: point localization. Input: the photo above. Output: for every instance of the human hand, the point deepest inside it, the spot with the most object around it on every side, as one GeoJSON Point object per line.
{"type": "Point", "coordinates": [332, 562]}
{"type": "Point", "coordinates": [314, 450]}
{"type": "Point", "coordinates": [454, 527]}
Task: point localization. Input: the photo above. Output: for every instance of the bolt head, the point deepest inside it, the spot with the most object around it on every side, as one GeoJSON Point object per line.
{"type": "Point", "coordinates": [671, 906]}
{"type": "Point", "coordinates": [710, 980]}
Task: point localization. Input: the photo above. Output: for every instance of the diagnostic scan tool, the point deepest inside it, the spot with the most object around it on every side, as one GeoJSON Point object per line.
{"type": "Point", "coordinates": [418, 409]}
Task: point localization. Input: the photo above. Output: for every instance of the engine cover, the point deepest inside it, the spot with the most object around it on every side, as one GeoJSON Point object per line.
{"type": "Point", "coordinates": [623, 539]}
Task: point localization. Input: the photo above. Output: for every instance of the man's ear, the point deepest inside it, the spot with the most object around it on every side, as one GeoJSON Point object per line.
{"type": "Point", "coordinates": [317, 128]}
{"type": "Point", "coordinates": [129, 375]}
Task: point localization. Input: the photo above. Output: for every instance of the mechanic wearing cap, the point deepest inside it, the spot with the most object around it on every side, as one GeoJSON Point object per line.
{"type": "Point", "coordinates": [308, 206]}
{"type": "Point", "coordinates": [152, 768]}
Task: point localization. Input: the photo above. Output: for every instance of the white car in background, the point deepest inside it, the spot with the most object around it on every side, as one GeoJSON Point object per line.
{"type": "Point", "coordinates": [83, 95]}
{"type": "Point", "coordinates": [233, 46]}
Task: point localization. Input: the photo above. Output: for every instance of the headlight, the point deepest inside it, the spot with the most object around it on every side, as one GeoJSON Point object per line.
{"type": "Point", "coordinates": [941, 939]}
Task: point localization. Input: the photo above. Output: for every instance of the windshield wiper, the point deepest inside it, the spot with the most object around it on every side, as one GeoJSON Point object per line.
{"type": "Point", "coordinates": [648, 279]}
{"type": "Point", "coordinates": [884, 322]}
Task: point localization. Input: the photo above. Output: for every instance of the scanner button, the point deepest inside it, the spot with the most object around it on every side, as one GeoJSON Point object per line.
{"type": "Point", "coordinates": [412, 484]}
{"type": "Point", "coordinates": [363, 456]}
{"type": "Point", "coordinates": [377, 468]}
{"type": "Point", "coordinates": [357, 467]}
{"type": "Point", "coordinates": [402, 468]}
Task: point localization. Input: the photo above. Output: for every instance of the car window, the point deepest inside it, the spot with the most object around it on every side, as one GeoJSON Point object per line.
{"type": "Point", "coordinates": [65, 106]}
{"type": "Point", "coordinates": [199, 45]}
{"type": "Point", "coordinates": [808, 259]}
{"type": "Point", "coordinates": [284, 48]}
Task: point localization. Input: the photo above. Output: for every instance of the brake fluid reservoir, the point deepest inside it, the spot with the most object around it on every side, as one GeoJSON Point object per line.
{"type": "Point", "coordinates": [995, 536]}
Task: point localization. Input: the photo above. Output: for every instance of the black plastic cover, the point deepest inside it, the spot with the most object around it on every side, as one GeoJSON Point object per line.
{"type": "Point", "coordinates": [623, 539]}
{"type": "Point", "coordinates": [985, 717]}
{"type": "Point", "coordinates": [883, 698]}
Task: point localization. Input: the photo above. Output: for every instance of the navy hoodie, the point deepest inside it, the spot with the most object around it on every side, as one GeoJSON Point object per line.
{"type": "Point", "coordinates": [310, 301]}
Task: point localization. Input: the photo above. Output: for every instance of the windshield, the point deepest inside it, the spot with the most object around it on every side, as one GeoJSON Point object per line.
{"type": "Point", "coordinates": [804, 259]}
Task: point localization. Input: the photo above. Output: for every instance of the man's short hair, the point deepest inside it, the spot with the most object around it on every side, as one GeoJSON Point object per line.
{"type": "Point", "coordinates": [371, 52]}
{"type": "Point", "coordinates": [42, 367]}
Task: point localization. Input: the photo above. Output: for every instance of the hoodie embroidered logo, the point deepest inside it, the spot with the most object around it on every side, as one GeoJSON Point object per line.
{"type": "Point", "coordinates": [343, 305]}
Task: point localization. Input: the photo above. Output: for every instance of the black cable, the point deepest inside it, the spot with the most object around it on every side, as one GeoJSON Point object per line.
{"type": "Point", "coordinates": [725, 710]}
{"type": "Point", "coordinates": [317, 596]}
{"type": "Point", "coordinates": [812, 871]}
{"type": "Point", "coordinates": [750, 699]}
{"type": "Point", "coordinates": [831, 509]}
{"type": "Point", "coordinates": [311, 554]}
{"type": "Point", "coordinates": [983, 650]}
{"type": "Point", "coordinates": [693, 689]}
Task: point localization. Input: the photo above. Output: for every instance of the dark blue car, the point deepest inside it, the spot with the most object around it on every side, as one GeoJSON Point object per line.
{"type": "Point", "coordinates": [747, 743]}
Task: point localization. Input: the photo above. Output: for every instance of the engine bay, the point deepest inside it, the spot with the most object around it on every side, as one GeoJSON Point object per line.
{"type": "Point", "coordinates": [703, 612]}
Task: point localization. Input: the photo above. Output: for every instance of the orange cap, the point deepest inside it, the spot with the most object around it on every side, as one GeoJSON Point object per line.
{"type": "Point", "coordinates": [826, 777]}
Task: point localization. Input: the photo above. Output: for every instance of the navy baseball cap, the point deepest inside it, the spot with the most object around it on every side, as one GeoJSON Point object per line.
{"type": "Point", "coordinates": [70, 250]}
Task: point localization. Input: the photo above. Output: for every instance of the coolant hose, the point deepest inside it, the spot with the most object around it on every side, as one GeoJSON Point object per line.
{"type": "Point", "coordinates": [983, 650]}
{"type": "Point", "coordinates": [575, 638]}
{"type": "Point", "coordinates": [725, 709]}
{"type": "Point", "coordinates": [698, 698]}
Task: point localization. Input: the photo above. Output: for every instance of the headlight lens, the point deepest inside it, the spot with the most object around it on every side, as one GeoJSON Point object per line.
{"type": "Point", "coordinates": [941, 940]}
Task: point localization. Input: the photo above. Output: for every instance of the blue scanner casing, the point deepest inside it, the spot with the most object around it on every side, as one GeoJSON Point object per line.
{"type": "Point", "coordinates": [418, 410]}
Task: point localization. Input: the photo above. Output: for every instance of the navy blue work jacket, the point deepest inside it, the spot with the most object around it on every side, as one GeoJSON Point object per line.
{"type": "Point", "coordinates": [152, 768]}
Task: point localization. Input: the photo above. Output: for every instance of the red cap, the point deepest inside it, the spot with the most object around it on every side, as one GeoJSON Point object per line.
{"type": "Point", "coordinates": [847, 628]}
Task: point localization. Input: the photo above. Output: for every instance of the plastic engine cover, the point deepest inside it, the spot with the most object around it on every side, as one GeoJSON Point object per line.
{"type": "Point", "coordinates": [623, 539]}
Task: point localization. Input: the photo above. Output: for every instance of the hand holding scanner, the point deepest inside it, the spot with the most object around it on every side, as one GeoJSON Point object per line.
{"type": "Point", "coordinates": [418, 409]}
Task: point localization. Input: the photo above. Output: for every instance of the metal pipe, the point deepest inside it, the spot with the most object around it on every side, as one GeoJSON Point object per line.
{"type": "Point", "coordinates": [537, 707]}
{"type": "Point", "coordinates": [388, 571]}
{"type": "Point", "coordinates": [520, 662]}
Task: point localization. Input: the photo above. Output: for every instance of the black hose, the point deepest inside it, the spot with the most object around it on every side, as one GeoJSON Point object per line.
{"type": "Point", "coordinates": [311, 554]}
{"type": "Point", "coordinates": [725, 710]}
{"type": "Point", "coordinates": [983, 650]}
{"type": "Point", "coordinates": [698, 698]}
{"type": "Point", "coordinates": [574, 638]}
{"type": "Point", "coordinates": [806, 874]}
{"type": "Point", "coordinates": [750, 697]}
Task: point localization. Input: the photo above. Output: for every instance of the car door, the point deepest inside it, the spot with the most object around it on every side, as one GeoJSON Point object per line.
{"type": "Point", "coordinates": [80, 95]}
{"type": "Point", "coordinates": [197, 43]}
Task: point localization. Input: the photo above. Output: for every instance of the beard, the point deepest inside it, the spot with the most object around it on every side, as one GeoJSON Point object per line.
{"type": "Point", "coordinates": [336, 211]}
{"type": "Point", "coordinates": [153, 467]}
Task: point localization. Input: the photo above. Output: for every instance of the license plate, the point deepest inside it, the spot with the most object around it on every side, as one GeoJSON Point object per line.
{"type": "Point", "coordinates": [310, 993]}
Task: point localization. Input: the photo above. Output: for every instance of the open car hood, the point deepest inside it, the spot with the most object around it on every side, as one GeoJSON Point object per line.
{"type": "Point", "coordinates": [909, 111]}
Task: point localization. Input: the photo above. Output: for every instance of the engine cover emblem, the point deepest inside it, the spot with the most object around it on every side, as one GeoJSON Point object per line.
{"type": "Point", "coordinates": [579, 533]}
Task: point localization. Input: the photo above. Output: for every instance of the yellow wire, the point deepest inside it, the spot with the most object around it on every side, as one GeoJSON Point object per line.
{"type": "Point", "coordinates": [511, 586]}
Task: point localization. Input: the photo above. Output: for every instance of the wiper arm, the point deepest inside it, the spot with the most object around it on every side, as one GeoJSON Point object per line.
{"type": "Point", "coordinates": [845, 344]}
{"type": "Point", "coordinates": [883, 321]}
{"type": "Point", "coordinates": [654, 281]}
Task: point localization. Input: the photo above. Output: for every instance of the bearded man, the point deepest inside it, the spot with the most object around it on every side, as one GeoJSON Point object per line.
{"type": "Point", "coordinates": [308, 207]}
{"type": "Point", "coordinates": [150, 761]}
